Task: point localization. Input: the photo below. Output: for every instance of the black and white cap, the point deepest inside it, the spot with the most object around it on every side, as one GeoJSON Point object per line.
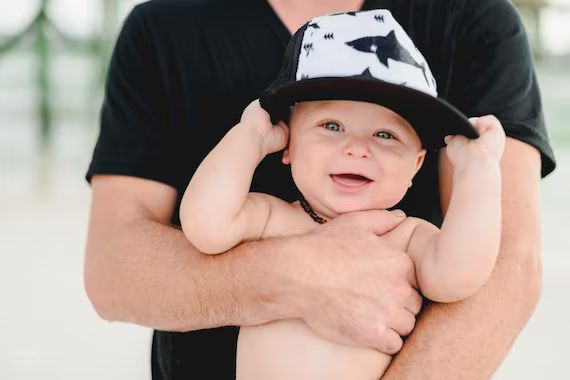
{"type": "Point", "coordinates": [365, 56]}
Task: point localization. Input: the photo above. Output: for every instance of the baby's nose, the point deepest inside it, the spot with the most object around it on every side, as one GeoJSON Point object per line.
{"type": "Point", "coordinates": [357, 146]}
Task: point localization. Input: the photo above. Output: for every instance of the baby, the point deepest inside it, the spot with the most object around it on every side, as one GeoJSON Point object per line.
{"type": "Point", "coordinates": [362, 111]}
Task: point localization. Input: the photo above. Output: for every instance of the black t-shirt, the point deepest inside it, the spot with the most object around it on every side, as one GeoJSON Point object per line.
{"type": "Point", "coordinates": [183, 71]}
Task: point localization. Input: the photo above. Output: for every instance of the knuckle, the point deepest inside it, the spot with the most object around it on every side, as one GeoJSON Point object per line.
{"type": "Point", "coordinates": [393, 314]}
{"type": "Point", "coordinates": [409, 325]}
{"type": "Point", "coordinates": [386, 339]}
{"type": "Point", "coordinates": [378, 332]}
{"type": "Point", "coordinates": [411, 294]}
{"type": "Point", "coordinates": [418, 304]}
{"type": "Point", "coordinates": [397, 346]}
{"type": "Point", "coordinates": [393, 345]}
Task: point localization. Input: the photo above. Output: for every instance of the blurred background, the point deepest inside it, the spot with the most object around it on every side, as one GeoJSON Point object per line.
{"type": "Point", "coordinates": [53, 57]}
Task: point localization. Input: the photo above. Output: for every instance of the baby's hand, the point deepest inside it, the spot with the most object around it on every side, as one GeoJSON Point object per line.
{"type": "Point", "coordinates": [273, 137]}
{"type": "Point", "coordinates": [490, 143]}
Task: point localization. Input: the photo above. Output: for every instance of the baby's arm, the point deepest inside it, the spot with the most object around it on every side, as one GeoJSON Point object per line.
{"type": "Point", "coordinates": [454, 262]}
{"type": "Point", "coordinates": [217, 211]}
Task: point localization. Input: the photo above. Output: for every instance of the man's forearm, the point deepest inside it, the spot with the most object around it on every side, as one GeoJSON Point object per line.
{"type": "Point", "coordinates": [469, 339]}
{"type": "Point", "coordinates": [149, 274]}
{"type": "Point", "coordinates": [140, 269]}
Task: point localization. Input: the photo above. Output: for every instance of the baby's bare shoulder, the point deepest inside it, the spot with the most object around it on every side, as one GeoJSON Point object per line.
{"type": "Point", "coordinates": [423, 235]}
{"type": "Point", "coordinates": [408, 231]}
{"type": "Point", "coordinates": [420, 229]}
{"type": "Point", "coordinates": [414, 222]}
{"type": "Point", "coordinates": [410, 224]}
{"type": "Point", "coordinates": [285, 218]}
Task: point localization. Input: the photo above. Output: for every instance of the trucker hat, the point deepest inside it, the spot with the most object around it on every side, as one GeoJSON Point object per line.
{"type": "Point", "coordinates": [363, 56]}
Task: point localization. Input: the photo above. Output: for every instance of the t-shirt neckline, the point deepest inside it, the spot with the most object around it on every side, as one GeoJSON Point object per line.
{"type": "Point", "coordinates": [281, 30]}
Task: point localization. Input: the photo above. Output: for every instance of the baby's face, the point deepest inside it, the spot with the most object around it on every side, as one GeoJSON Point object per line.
{"type": "Point", "coordinates": [348, 156]}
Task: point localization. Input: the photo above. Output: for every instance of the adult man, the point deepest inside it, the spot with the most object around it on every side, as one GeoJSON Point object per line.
{"type": "Point", "coordinates": [181, 73]}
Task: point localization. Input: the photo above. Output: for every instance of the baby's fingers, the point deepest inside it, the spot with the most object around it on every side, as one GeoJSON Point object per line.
{"type": "Point", "coordinates": [454, 140]}
{"type": "Point", "coordinates": [486, 123]}
{"type": "Point", "coordinates": [278, 138]}
{"type": "Point", "coordinates": [282, 131]}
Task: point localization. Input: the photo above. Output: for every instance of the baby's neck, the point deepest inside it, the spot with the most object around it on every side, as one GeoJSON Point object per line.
{"type": "Point", "coordinates": [312, 213]}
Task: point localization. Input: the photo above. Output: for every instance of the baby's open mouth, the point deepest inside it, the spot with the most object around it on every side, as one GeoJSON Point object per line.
{"type": "Point", "coordinates": [351, 180]}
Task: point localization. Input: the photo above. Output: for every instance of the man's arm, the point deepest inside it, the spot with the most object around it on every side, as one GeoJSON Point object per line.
{"type": "Point", "coordinates": [470, 339]}
{"type": "Point", "coordinates": [139, 269]}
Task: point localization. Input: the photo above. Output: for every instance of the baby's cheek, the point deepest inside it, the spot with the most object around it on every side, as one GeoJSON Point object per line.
{"type": "Point", "coordinates": [397, 186]}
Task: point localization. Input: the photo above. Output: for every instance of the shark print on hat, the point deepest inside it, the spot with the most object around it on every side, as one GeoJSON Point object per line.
{"type": "Point", "coordinates": [387, 47]}
{"type": "Point", "coordinates": [364, 56]}
{"type": "Point", "coordinates": [348, 44]}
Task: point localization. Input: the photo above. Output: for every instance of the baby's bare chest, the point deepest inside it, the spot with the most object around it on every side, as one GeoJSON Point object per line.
{"type": "Point", "coordinates": [293, 220]}
{"type": "Point", "coordinates": [287, 220]}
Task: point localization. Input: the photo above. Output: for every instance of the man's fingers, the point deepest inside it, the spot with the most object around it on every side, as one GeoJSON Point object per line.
{"type": "Point", "coordinates": [414, 302]}
{"type": "Point", "coordinates": [379, 221]}
{"type": "Point", "coordinates": [403, 322]}
{"type": "Point", "coordinates": [386, 340]}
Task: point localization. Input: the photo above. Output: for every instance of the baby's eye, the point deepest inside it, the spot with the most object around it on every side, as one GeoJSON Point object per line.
{"type": "Point", "coordinates": [384, 135]}
{"type": "Point", "coordinates": [332, 126]}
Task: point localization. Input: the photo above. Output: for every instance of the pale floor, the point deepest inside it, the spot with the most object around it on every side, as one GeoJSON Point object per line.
{"type": "Point", "coordinates": [50, 331]}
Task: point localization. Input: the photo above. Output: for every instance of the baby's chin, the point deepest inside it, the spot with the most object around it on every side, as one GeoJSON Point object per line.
{"type": "Point", "coordinates": [348, 207]}
{"type": "Point", "coordinates": [344, 206]}
{"type": "Point", "coordinates": [331, 207]}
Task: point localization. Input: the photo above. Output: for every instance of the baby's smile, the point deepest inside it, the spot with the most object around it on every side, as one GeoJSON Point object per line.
{"type": "Point", "coordinates": [349, 182]}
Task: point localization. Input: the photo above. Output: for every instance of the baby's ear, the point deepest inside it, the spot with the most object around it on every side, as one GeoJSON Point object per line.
{"type": "Point", "coordinates": [420, 160]}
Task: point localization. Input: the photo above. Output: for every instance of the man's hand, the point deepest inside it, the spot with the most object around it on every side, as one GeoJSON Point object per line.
{"type": "Point", "coordinates": [342, 279]}
{"type": "Point", "coordinates": [351, 286]}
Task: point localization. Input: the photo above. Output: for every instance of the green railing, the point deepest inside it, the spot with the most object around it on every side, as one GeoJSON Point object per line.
{"type": "Point", "coordinates": [42, 33]}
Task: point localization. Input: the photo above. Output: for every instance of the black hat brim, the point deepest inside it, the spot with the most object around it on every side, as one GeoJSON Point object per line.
{"type": "Point", "coordinates": [433, 118]}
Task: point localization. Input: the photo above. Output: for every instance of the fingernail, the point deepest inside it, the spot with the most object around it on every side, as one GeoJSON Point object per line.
{"type": "Point", "coordinates": [399, 213]}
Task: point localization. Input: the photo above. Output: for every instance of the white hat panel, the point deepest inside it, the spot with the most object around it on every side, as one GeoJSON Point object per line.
{"type": "Point", "coordinates": [345, 45]}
